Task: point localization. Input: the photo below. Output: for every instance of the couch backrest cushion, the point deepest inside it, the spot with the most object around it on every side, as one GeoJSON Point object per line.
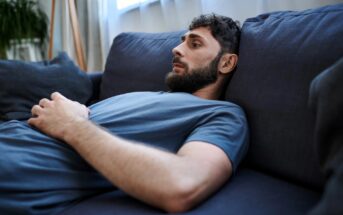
{"type": "Point", "coordinates": [138, 62]}
{"type": "Point", "coordinates": [280, 53]}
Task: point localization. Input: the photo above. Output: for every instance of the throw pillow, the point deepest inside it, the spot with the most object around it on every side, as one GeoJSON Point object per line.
{"type": "Point", "coordinates": [23, 84]}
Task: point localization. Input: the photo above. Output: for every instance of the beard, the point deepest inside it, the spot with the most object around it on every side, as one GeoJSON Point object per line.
{"type": "Point", "coordinates": [195, 79]}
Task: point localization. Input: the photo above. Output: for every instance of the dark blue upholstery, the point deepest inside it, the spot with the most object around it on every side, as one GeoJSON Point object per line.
{"type": "Point", "coordinates": [280, 53]}
{"type": "Point", "coordinates": [138, 62]}
{"type": "Point", "coordinates": [249, 192]}
{"type": "Point", "coordinates": [96, 78]}
{"type": "Point", "coordinates": [326, 101]}
{"type": "Point", "coordinates": [23, 84]}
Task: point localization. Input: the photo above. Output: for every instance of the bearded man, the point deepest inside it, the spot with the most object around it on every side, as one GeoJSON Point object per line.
{"type": "Point", "coordinates": [168, 149]}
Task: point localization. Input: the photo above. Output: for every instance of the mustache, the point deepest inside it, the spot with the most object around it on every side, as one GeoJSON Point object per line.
{"type": "Point", "coordinates": [178, 60]}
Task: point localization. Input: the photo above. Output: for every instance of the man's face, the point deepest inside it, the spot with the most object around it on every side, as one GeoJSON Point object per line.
{"type": "Point", "coordinates": [195, 62]}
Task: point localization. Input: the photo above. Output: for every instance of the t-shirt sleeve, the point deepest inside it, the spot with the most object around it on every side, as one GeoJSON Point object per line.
{"type": "Point", "coordinates": [227, 129]}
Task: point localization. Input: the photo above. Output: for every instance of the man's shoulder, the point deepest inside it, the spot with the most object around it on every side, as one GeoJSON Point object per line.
{"type": "Point", "coordinates": [173, 100]}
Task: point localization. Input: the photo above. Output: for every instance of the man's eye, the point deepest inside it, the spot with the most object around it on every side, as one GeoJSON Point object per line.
{"type": "Point", "coordinates": [195, 44]}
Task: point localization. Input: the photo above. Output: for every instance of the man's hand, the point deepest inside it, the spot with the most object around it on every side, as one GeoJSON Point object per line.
{"type": "Point", "coordinates": [54, 117]}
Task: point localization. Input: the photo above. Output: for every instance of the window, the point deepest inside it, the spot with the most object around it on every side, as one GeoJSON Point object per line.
{"type": "Point", "coordinates": [127, 4]}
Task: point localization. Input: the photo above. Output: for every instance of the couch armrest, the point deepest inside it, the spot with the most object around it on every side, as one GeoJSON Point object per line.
{"type": "Point", "coordinates": [96, 81]}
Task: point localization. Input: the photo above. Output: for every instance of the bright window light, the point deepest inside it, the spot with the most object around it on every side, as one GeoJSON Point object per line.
{"type": "Point", "coordinates": [125, 4]}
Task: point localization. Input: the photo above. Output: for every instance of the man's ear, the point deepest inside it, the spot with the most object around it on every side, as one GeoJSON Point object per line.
{"type": "Point", "coordinates": [227, 63]}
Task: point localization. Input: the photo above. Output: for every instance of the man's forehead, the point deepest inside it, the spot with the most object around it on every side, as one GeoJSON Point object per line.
{"type": "Point", "coordinates": [202, 33]}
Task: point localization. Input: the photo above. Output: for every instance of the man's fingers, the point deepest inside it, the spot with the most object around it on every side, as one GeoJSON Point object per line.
{"type": "Point", "coordinates": [57, 95]}
{"type": "Point", "coordinates": [32, 121]}
{"type": "Point", "coordinates": [36, 110]}
{"type": "Point", "coordinates": [44, 102]}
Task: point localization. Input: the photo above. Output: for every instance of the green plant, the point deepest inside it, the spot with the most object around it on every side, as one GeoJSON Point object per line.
{"type": "Point", "coordinates": [21, 19]}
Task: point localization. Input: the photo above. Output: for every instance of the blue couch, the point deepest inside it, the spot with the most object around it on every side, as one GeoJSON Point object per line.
{"type": "Point", "coordinates": [280, 54]}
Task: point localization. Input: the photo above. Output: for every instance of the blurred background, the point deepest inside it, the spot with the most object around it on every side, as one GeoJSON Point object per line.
{"type": "Point", "coordinates": [35, 30]}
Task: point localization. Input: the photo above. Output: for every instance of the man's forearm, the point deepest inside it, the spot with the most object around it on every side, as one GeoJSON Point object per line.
{"type": "Point", "coordinates": [154, 176]}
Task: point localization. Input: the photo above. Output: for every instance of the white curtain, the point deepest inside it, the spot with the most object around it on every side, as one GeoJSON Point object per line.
{"type": "Point", "coordinates": [88, 13]}
{"type": "Point", "coordinates": [91, 19]}
{"type": "Point", "coordinates": [101, 21]}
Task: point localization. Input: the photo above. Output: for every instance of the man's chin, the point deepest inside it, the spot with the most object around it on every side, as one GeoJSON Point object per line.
{"type": "Point", "coordinates": [173, 74]}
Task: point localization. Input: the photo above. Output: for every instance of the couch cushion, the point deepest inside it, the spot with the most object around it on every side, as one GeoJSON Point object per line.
{"type": "Point", "coordinates": [280, 53]}
{"type": "Point", "coordinates": [248, 193]}
{"type": "Point", "coordinates": [23, 84]}
{"type": "Point", "coordinates": [138, 62]}
{"type": "Point", "coordinates": [326, 100]}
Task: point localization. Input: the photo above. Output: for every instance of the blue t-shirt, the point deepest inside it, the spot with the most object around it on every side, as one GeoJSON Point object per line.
{"type": "Point", "coordinates": [168, 120]}
{"type": "Point", "coordinates": [42, 175]}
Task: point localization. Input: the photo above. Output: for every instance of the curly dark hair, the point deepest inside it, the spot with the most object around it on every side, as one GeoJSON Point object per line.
{"type": "Point", "coordinates": [224, 30]}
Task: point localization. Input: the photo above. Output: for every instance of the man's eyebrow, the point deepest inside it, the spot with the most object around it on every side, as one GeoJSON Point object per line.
{"type": "Point", "coordinates": [191, 35]}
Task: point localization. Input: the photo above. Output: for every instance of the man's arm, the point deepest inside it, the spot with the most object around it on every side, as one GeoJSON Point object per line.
{"type": "Point", "coordinates": [173, 182]}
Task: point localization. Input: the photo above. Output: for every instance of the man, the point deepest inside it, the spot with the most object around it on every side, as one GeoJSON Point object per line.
{"type": "Point", "coordinates": [205, 139]}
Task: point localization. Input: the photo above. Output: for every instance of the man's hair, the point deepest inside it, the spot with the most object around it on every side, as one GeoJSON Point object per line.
{"type": "Point", "coordinates": [224, 30]}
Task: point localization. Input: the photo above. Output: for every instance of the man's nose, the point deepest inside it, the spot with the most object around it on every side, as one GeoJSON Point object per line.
{"type": "Point", "coordinates": [177, 51]}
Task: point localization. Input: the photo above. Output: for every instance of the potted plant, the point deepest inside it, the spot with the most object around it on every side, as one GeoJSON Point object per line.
{"type": "Point", "coordinates": [21, 21]}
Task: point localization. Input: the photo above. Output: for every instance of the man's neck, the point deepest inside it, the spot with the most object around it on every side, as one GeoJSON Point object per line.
{"type": "Point", "coordinates": [211, 92]}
